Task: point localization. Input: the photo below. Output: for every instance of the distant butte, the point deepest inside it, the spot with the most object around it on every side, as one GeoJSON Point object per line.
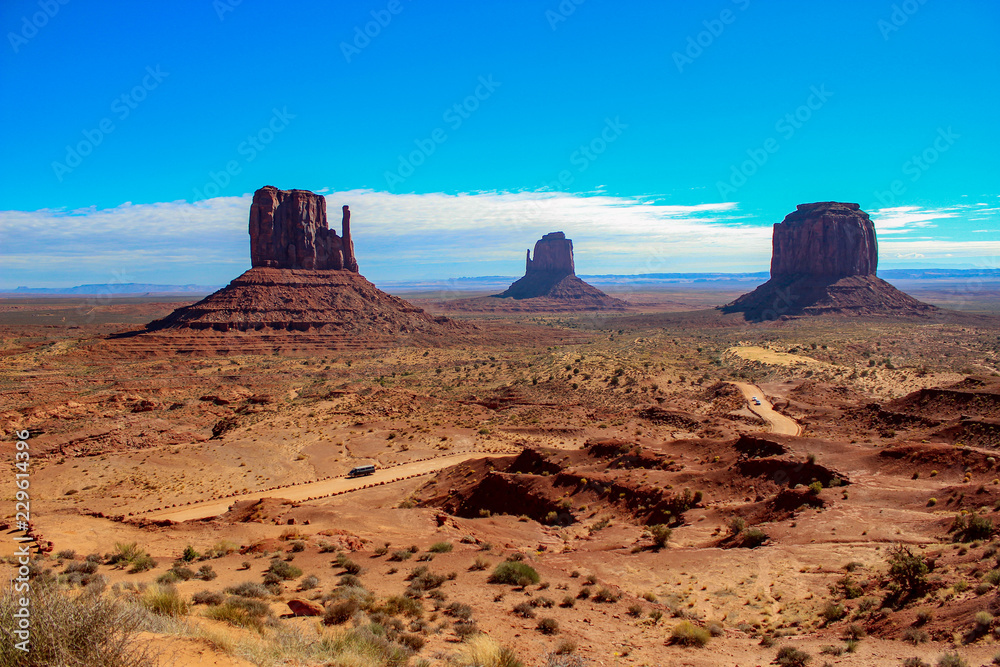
{"type": "Point", "coordinates": [823, 260]}
{"type": "Point", "coordinates": [304, 279]}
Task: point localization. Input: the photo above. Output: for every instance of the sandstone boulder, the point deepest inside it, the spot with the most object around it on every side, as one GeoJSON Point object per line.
{"type": "Point", "coordinates": [302, 607]}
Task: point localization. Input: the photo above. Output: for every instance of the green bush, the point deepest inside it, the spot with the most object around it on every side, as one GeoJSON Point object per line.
{"type": "Point", "coordinates": [284, 570]}
{"type": "Point", "coordinates": [513, 573]}
{"type": "Point", "coordinates": [441, 547]}
{"type": "Point", "coordinates": [906, 569]}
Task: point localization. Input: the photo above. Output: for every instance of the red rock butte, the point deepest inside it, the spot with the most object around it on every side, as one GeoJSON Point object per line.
{"type": "Point", "coordinates": [304, 279]}
{"type": "Point", "coordinates": [823, 261]}
{"type": "Point", "coordinates": [551, 276]}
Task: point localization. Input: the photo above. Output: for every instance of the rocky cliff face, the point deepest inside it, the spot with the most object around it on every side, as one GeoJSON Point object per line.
{"type": "Point", "coordinates": [823, 261]}
{"type": "Point", "coordinates": [828, 239]}
{"type": "Point", "coordinates": [289, 230]}
{"type": "Point", "coordinates": [553, 255]}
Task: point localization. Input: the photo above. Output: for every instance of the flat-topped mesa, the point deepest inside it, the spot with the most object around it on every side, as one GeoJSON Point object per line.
{"type": "Point", "coordinates": [824, 239]}
{"type": "Point", "coordinates": [553, 255]}
{"type": "Point", "coordinates": [823, 262]}
{"type": "Point", "coordinates": [289, 230]}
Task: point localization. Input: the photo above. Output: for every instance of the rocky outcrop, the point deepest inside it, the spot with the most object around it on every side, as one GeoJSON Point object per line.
{"type": "Point", "coordinates": [551, 279]}
{"type": "Point", "coordinates": [827, 239]}
{"type": "Point", "coordinates": [300, 607]}
{"type": "Point", "coordinates": [304, 279]}
{"type": "Point", "coordinates": [823, 261]}
{"type": "Point", "coordinates": [553, 256]}
{"type": "Point", "coordinates": [289, 230]}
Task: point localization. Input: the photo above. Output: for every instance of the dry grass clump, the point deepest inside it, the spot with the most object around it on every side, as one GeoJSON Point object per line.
{"type": "Point", "coordinates": [89, 628]}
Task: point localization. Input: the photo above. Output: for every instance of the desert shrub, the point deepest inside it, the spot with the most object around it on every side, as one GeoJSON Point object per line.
{"type": "Point", "coordinates": [234, 615]}
{"type": "Point", "coordinates": [686, 633]}
{"type": "Point", "coordinates": [661, 534]}
{"type": "Point", "coordinates": [298, 546]}
{"type": "Point", "coordinates": [401, 555]}
{"type": "Point", "coordinates": [441, 547]}
{"type": "Point", "coordinates": [753, 537]}
{"type": "Point", "coordinates": [584, 593]}
{"type": "Point", "coordinates": [125, 552]}
{"type": "Point", "coordinates": [248, 589]}
{"type": "Point", "coordinates": [479, 563]}
{"type": "Point", "coordinates": [524, 610]}
{"type": "Point", "coordinates": [66, 554]}
{"type": "Point", "coordinates": [310, 582]}
{"type": "Point", "coordinates": [715, 628]}
{"type": "Point", "coordinates": [397, 605]}
{"type": "Point", "coordinates": [854, 631]}
{"type": "Point", "coordinates": [951, 660]}
{"type": "Point", "coordinates": [984, 620]}
{"type": "Point", "coordinates": [547, 626]}
{"type": "Point", "coordinates": [89, 629]}
{"type": "Point", "coordinates": [737, 525]}
{"type": "Point", "coordinates": [182, 573]}
{"type": "Point", "coordinates": [484, 651]}
{"type": "Point", "coordinates": [605, 594]}
{"type": "Point", "coordinates": [568, 602]}
{"type": "Point", "coordinates": [789, 656]}
{"type": "Point", "coordinates": [164, 600]}
{"type": "Point", "coordinates": [284, 570]}
{"type": "Point", "coordinates": [413, 642]}
{"type": "Point", "coordinates": [971, 527]}
{"type": "Point", "coordinates": [167, 577]}
{"type": "Point", "coordinates": [924, 616]}
{"type": "Point", "coordinates": [189, 554]}
{"type": "Point", "coordinates": [832, 612]}
{"type": "Point", "coordinates": [141, 563]}
{"type": "Point", "coordinates": [513, 573]}
{"type": "Point", "coordinates": [915, 662]}
{"type": "Point", "coordinates": [906, 569]}
{"type": "Point", "coordinates": [544, 602]}
{"type": "Point", "coordinates": [635, 610]}
{"type": "Point", "coordinates": [206, 573]}
{"type": "Point", "coordinates": [84, 567]}
{"type": "Point", "coordinates": [341, 612]}
{"type": "Point", "coordinates": [350, 567]}
{"type": "Point", "coordinates": [459, 610]}
{"type": "Point", "coordinates": [207, 597]}
{"type": "Point", "coordinates": [915, 636]}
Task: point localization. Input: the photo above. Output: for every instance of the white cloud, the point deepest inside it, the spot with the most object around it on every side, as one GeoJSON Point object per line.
{"type": "Point", "coordinates": [433, 235]}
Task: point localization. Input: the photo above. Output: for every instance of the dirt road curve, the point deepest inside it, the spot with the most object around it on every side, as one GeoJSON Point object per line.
{"type": "Point", "coordinates": [778, 422]}
{"type": "Point", "coordinates": [210, 508]}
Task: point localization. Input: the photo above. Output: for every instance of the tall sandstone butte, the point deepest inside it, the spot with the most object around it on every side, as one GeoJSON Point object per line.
{"type": "Point", "coordinates": [824, 257]}
{"type": "Point", "coordinates": [289, 230]}
{"type": "Point", "coordinates": [304, 277]}
{"type": "Point", "coordinates": [550, 280]}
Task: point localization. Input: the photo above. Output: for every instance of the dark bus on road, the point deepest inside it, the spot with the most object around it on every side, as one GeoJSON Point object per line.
{"type": "Point", "coordinates": [361, 471]}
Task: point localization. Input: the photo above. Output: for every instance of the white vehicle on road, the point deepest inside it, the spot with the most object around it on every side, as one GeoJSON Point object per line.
{"type": "Point", "coordinates": [756, 401]}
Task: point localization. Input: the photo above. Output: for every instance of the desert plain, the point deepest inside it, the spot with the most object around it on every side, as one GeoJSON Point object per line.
{"type": "Point", "coordinates": [583, 488]}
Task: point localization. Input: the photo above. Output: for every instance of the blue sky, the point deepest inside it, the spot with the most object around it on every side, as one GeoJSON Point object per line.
{"type": "Point", "coordinates": [660, 136]}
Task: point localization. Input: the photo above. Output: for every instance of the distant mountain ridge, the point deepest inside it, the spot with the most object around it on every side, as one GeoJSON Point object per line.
{"type": "Point", "coordinates": [486, 282]}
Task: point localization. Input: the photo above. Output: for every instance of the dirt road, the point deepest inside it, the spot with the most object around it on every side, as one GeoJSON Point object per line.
{"type": "Point", "coordinates": [777, 422]}
{"type": "Point", "coordinates": [210, 508]}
